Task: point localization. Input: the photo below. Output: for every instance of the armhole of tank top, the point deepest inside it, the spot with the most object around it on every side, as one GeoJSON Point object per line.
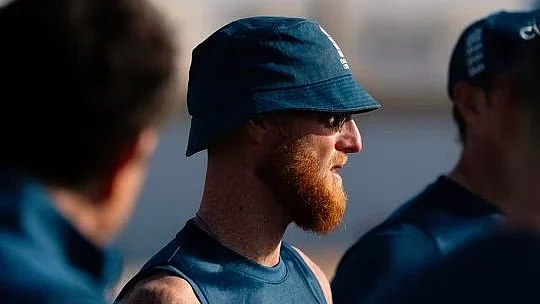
{"type": "Point", "coordinates": [317, 289]}
{"type": "Point", "coordinates": [173, 270]}
{"type": "Point", "coordinates": [167, 268]}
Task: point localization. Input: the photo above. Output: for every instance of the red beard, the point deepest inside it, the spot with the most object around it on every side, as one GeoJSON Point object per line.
{"type": "Point", "coordinates": [315, 199]}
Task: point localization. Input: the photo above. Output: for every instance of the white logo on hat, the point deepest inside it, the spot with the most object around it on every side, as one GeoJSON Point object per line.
{"type": "Point", "coordinates": [529, 32]}
{"type": "Point", "coordinates": [342, 59]}
{"type": "Point", "coordinates": [474, 50]}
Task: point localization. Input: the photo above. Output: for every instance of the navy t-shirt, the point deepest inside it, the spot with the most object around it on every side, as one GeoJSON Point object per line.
{"type": "Point", "coordinates": [503, 267]}
{"type": "Point", "coordinates": [443, 217]}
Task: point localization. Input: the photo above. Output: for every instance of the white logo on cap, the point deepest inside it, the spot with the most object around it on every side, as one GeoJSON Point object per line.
{"type": "Point", "coordinates": [474, 50]}
{"type": "Point", "coordinates": [530, 31]}
{"type": "Point", "coordinates": [342, 59]}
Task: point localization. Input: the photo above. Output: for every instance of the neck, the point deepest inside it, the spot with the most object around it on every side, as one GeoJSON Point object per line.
{"type": "Point", "coordinates": [242, 214]}
{"type": "Point", "coordinates": [483, 177]}
{"type": "Point", "coordinates": [80, 212]}
{"type": "Point", "coordinates": [524, 212]}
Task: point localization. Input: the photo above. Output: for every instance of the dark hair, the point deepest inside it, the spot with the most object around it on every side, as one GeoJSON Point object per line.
{"type": "Point", "coordinates": [483, 83]}
{"type": "Point", "coordinates": [79, 80]}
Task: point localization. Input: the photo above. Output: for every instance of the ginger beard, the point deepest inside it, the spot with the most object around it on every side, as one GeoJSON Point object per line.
{"type": "Point", "coordinates": [306, 187]}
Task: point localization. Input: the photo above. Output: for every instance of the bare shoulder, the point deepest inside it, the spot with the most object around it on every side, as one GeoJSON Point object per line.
{"type": "Point", "coordinates": [160, 289]}
{"type": "Point", "coordinates": [319, 274]}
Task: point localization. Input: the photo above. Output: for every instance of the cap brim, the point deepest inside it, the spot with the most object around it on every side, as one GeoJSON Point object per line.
{"type": "Point", "coordinates": [341, 94]}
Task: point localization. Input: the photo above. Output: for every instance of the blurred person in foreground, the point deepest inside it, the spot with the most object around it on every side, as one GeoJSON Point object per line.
{"type": "Point", "coordinates": [85, 85]}
{"type": "Point", "coordinates": [474, 197]}
{"type": "Point", "coordinates": [271, 100]}
{"type": "Point", "coordinates": [504, 266]}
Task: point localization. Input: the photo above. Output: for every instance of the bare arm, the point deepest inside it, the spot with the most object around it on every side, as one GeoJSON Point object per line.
{"type": "Point", "coordinates": [319, 274]}
{"type": "Point", "coordinates": [161, 288]}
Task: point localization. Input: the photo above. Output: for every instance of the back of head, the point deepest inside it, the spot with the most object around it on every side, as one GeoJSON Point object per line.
{"type": "Point", "coordinates": [79, 80]}
{"type": "Point", "coordinates": [506, 46]}
{"type": "Point", "coordinates": [490, 48]}
{"type": "Point", "coordinates": [492, 45]}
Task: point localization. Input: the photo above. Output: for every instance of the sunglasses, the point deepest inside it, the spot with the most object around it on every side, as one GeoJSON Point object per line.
{"type": "Point", "coordinates": [334, 121]}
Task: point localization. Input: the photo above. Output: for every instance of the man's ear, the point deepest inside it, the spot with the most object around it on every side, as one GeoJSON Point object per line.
{"type": "Point", "coordinates": [470, 101]}
{"type": "Point", "coordinates": [135, 155]}
{"type": "Point", "coordinates": [258, 129]}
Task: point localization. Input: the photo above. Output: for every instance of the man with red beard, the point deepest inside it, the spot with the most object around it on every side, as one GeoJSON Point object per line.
{"type": "Point", "coordinates": [271, 100]}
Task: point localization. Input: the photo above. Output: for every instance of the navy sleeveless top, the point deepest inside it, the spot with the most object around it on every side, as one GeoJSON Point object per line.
{"type": "Point", "coordinates": [219, 275]}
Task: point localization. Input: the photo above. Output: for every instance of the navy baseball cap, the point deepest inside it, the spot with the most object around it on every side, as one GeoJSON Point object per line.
{"type": "Point", "coordinates": [493, 45]}
{"type": "Point", "coordinates": [262, 64]}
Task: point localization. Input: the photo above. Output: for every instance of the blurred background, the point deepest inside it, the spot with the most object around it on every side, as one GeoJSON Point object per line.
{"type": "Point", "coordinates": [399, 50]}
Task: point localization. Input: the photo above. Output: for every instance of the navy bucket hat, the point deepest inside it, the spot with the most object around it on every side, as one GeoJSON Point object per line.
{"type": "Point", "coordinates": [497, 44]}
{"type": "Point", "coordinates": [263, 64]}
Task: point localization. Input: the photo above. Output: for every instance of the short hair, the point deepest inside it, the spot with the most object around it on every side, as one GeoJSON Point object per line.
{"type": "Point", "coordinates": [483, 83]}
{"type": "Point", "coordinates": [79, 81]}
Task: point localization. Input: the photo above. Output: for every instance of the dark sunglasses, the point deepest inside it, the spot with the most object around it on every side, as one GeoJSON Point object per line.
{"type": "Point", "coordinates": [334, 121]}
